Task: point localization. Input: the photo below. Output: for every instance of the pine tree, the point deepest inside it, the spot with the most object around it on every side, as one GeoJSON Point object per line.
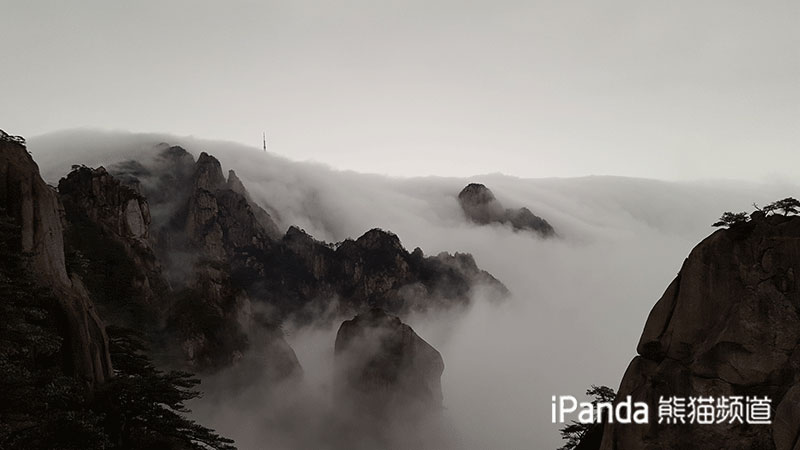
{"type": "Point", "coordinates": [575, 432]}
{"type": "Point", "coordinates": [145, 407]}
{"type": "Point", "coordinates": [729, 219]}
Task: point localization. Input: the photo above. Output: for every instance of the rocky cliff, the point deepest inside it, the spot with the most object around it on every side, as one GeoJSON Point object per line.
{"type": "Point", "coordinates": [36, 210]}
{"type": "Point", "coordinates": [174, 245]}
{"type": "Point", "coordinates": [206, 218]}
{"type": "Point", "coordinates": [167, 271]}
{"type": "Point", "coordinates": [384, 367]}
{"type": "Point", "coordinates": [180, 253]}
{"type": "Point", "coordinates": [109, 245]}
{"type": "Point", "coordinates": [481, 206]}
{"type": "Point", "coordinates": [728, 325]}
{"type": "Point", "coordinates": [300, 275]}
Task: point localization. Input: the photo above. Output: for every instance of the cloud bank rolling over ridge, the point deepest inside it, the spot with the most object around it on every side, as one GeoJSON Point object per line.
{"type": "Point", "coordinates": [578, 301]}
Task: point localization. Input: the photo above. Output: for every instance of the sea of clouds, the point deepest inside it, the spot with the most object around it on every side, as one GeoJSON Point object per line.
{"type": "Point", "coordinates": [578, 304]}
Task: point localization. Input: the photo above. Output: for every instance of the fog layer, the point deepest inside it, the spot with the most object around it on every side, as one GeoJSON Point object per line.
{"type": "Point", "coordinates": [578, 301]}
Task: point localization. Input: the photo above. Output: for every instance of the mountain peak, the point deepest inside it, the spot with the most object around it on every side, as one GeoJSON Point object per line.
{"type": "Point", "coordinates": [476, 193]}
{"type": "Point", "coordinates": [236, 185]}
{"type": "Point", "coordinates": [383, 365]}
{"type": "Point", "coordinates": [378, 239]}
{"type": "Point", "coordinates": [208, 173]}
{"type": "Point", "coordinates": [482, 207]}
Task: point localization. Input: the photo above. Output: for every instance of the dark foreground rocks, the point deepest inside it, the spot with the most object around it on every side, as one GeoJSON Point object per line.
{"type": "Point", "coordinates": [35, 210]}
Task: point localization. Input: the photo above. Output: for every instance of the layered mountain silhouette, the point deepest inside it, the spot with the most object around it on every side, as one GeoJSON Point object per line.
{"type": "Point", "coordinates": [177, 249]}
{"type": "Point", "coordinates": [181, 253]}
{"type": "Point", "coordinates": [212, 255]}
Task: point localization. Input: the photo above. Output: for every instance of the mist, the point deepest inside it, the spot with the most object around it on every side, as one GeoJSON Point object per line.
{"type": "Point", "coordinates": [578, 302]}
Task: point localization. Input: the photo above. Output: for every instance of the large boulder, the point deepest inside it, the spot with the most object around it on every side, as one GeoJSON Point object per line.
{"type": "Point", "coordinates": [480, 206]}
{"type": "Point", "coordinates": [384, 367]}
{"type": "Point", "coordinates": [729, 324]}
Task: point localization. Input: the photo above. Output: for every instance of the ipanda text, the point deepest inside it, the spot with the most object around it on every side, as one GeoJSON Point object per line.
{"type": "Point", "coordinates": [567, 407]}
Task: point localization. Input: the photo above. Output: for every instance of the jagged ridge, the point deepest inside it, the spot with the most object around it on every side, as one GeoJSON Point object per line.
{"type": "Point", "coordinates": [203, 257]}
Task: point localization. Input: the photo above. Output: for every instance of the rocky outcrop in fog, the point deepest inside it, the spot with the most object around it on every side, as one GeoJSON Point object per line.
{"type": "Point", "coordinates": [171, 251]}
{"type": "Point", "coordinates": [172, 244]}
{"type": "Point", "coordinates": [480, 206]}
{"type": "Point", "coordinates": [371, 271]}
{"type": "Point", "coordinates": [384, 367]}
{"type": "Point", "coordinates": [729, 324]}
{"type": "Point", "coordinates": [35, 208]}
{"type": "Point", "coordinates": [170, 267]}
{"type": "Point", "coordinates": [108, 234]}
{"type": "Point", "coordinates": [216, 220]}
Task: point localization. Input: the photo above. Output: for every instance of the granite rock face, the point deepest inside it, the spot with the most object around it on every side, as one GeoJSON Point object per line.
{"type": "Point", "coordinates": [480, 206]}
{"type": "Point", "coordinates": [35, 207]}
{"type": "Point", "coordinates": [298, 272]}
{"type": "Point", "coordinates": [173, 276]}
{"type": "Point", "coordinates": [220, 218]}
{"type": "Point", "coordinates": [729, 324]}
{"type": "Point", "coordinates": [215, 227]}
{"type": "Point", "coordinates": [384, 366]}
{"type": "Point", "coordinates": [195, 256]}
{"type": "Point", "coordinates": [102, 212]}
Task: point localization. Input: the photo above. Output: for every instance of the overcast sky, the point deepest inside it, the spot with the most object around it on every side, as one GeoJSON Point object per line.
{"type": "Point", "coordinates": [672, 90]}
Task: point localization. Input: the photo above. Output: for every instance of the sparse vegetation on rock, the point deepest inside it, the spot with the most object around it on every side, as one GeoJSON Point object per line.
{"type": "Point", "coordinates": [787, 206]}
{"type": "Point", "coordinates": [729, 219]}
{"type": "Point", "coordinates": [587, 435]}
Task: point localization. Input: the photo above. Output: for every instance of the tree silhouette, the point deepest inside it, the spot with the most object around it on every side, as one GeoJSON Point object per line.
{"type": "Point", "coordinates": [144, 407]}
{"type": "Point", "coordinates": [729, 219]}
{"type": "Point", "coordinates": [788, 205]}
{"type": "Point", "coordinates": [575, 432]}
{"type": "Point", "coordinates": [40, 406]}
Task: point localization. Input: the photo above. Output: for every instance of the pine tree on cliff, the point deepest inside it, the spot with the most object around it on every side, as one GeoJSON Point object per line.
{"type": "Point", "coordinates": [39, 406]}
{"type": "Point", "coordinates": [729, 219]}
{"type": "Point", "coordinates": [144, 406]}
{"type": "Point", "coordinates": [787, 206]}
